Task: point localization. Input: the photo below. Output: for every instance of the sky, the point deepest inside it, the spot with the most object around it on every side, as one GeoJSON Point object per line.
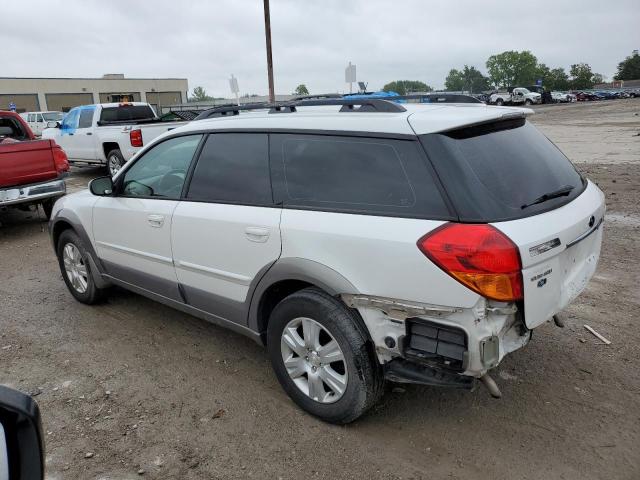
{"type": "Point", "coordinates": [206, 41]}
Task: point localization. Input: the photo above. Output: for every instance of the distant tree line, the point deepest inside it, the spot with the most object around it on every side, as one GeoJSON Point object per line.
{"type": "Point", "coordinates": [515, 69]}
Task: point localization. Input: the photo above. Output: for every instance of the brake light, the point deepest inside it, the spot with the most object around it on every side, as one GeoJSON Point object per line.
{"type": "Point", "coordinates": [478, 256]}
{"type": "Point", "coordinates": [60, 160]}
{"type": "Point", "coordinates": [135, 137]}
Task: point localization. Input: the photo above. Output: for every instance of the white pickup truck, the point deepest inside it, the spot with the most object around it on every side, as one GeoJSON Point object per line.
{"type": "Point", "coordinates": [108, 133]}
{"type": "Point", "coordinates": [519, 96]}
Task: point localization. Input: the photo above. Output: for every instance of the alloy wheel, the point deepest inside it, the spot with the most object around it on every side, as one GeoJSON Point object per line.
{"type": "Point", "coordinates": [114, 164]}
{"type": "Point", "coordinates": [314, 360]}
{"type": "Point", "coordinates": [75, 268]}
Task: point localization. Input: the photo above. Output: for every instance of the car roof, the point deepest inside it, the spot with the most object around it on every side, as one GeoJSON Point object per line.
{"type": "Point", "coordinates": [418, 119]}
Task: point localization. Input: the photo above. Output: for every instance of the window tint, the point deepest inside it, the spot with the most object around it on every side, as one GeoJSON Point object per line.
{"type": "Point", "coordinates": [234, 168]}
{"type": "Point", "coordinates": [126, 113]}
{"type": "Point", "coordinates": [86, 116]}
{"type": "Point", "coordinates": [491, 171]}
{"type": "Point", "coordinates": [357, 175]}
{"type": "Point", "coordinates": [31, 117]}
{"type": "Point", "coordinates": [161, 171]}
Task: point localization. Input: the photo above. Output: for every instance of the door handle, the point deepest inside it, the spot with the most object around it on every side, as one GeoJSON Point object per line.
{"type": "Point", "coordinates": [155, 220]}
{"type": "Point", "coordinates": [257, 234]}
{"type": "Point", "coordinates": [89, 133]}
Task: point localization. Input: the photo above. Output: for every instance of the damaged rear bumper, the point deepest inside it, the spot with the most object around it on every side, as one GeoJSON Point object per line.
{"type": "Point", "coordinates": [437, 345]}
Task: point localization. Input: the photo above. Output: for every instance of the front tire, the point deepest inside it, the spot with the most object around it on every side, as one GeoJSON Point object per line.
{"type": "Point", "coordinates": [76, 269]}
{"type": "Point", "coordinates": [528, 102]}
{"type": "Point", "coordinates": [499, 102]}
{"type": "Point", "coordinates": [115, 161]}
{"type": "Point", "coordinates": [321, 357]}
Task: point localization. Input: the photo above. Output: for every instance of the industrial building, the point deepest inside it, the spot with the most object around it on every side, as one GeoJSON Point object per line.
{"type": "Point", "coordinates": [62, 94]}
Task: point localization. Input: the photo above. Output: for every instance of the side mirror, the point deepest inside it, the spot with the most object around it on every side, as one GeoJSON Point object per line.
{"type": "Point", "coordinates": [101, 186]}
{"type": "Point", "coordinates": [21, 440]}
{"type": "Point", "coordinates": [53, 124]}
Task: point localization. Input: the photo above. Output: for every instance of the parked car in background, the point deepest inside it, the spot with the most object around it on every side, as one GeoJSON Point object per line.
{"type": "Point", "coordinates": [38, 120]}
{"type": "Point", "coordinates": [519, 96]}
{"type": "Point", "coordinates": [31, 170]}
{"type": "Point", "coordinates": [587, 97]}
{"type": "Point", "coordinates": [417, 243]}
{"type": "Point", "coordinates": [562, 97]}
{"type": "Point", "coordinates": [107, 134]}
{"type": "Point", "coordinates": [545, 94]}
{"type": "Point", "coordinates": [605, 94]}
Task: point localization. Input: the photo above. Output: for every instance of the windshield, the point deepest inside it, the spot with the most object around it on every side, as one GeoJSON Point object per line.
{"type": "Point", "coordinates": [52, 116]}
{"type": "Point", "coordinates": [490, 171]}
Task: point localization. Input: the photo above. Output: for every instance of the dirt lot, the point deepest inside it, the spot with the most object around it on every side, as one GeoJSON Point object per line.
{"type": "Point", "coordinates": [153, 392]}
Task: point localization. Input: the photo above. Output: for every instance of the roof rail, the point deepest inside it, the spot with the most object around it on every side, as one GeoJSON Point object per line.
{"type": "Point", "coordinates": [348, 105]}
{"type": "Point", "coordinates": [230, 110]}
{"type": "Point", "coordinates": [316, 97]}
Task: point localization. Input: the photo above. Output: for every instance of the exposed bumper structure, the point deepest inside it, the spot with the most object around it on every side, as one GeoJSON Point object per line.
{"type": "Point", "coordinates": [440, 344]}
{"type": "Point", "coordinates": [32, 193]}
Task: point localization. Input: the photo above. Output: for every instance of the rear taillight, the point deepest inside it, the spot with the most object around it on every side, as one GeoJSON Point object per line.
{"type": "Point", "coordinates": [60, 159]}
{"type": "Point", "coordinates": [478, 256]}
{"type": "Point", "coordinates": [135, 137]}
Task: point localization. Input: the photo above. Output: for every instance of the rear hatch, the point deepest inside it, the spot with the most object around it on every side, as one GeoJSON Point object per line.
{"type": "Point", "coordinates": [22, 163]}
{"type": "Point", "coordinates": [508, 174]}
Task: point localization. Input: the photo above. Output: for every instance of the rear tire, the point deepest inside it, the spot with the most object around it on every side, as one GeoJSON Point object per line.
{"type": "Point", "coordinates": [115, 161]}
{"type": "Point", "coordinates": [337, 387]}
{"type": "Point", "coordinates": [76, 269]}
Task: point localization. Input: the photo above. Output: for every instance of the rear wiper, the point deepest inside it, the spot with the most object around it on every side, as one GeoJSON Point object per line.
{"type": "Point", "coordinates": [561, 192]}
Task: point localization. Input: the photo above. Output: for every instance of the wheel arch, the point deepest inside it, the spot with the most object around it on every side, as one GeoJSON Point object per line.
{"type": "Point", "coordinates": [288, 276]}
{"type": "Point", "coordinates": [68, 220]}
{"type": "Point", "coordinates": [109, 146]}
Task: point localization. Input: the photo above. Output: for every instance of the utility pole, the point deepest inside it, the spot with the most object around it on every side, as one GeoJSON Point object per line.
{"type": "Point", "coordinates": [267, 33]}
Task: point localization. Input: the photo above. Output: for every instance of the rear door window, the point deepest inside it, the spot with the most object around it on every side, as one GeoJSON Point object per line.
{"type": "Point", "coordinates": [355, 175]}
{"type": "Point", "coordinates": [497, 171]}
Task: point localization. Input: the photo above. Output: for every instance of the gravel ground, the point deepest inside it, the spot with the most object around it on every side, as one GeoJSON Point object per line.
{"type": "Point", "coordinates": [143, 390]}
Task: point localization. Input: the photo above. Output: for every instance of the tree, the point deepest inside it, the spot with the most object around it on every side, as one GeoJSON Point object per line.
{"type": "Point", "coordinates": [200, 95]}
{"type": "Point", "coordinates": [301, 90]}
{"type": "Point", "coordinates": [406, 86]}
{"type": "Point", "coordinates": [629, 68]}
{"type": "Point", "coordinates": [557, 80]}
{"type": "Point", "coordinates": [597, 78]}
{"type": "Point", "coordinates": [581, 76]}
{"type": "Point", "coordinates": [512, 68]}
{"type": "Point", "coordinates": [469, 78]}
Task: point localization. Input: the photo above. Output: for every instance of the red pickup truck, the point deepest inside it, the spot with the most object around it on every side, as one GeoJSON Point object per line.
{"type": "Point", "coordinates": [31, 171]}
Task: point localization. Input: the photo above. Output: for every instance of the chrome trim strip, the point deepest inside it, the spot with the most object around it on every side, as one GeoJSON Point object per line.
{"type": "Point", "coordinates": [585, 235]}
{"type": "Point", "coordinates": [234, 277]}
{"type": "Point", "coordinates": [132, 251]}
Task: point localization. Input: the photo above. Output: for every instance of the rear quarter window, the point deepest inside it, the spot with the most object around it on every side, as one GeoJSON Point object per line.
{"type": "Point", "coordinates": [493, 172]}
{"type": "Point", "coordinates": [354, 175]}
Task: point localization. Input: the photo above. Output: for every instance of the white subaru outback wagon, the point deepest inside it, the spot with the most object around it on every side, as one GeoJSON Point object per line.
{"type": "Point", "coordinates": [359, 240]}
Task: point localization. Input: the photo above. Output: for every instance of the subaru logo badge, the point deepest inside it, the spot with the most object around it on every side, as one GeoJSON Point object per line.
{"type": "Point", "coordinates": [542, 282]}
{"type": "Point", "coordinates": [592, 220]}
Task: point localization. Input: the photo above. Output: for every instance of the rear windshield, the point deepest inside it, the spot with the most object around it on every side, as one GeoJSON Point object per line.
{"type": "Point", "coordinates": [502, 171]}
{"type": "Point", "coordinates": [126, 113]}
